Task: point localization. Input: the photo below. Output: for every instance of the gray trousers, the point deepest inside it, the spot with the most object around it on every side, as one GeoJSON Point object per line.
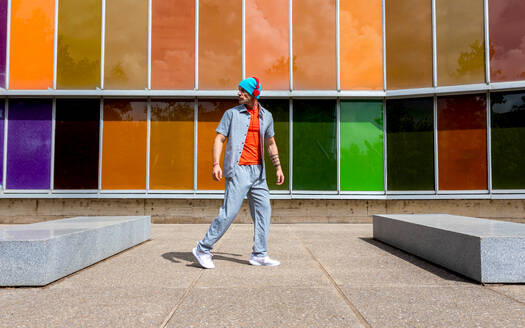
{"type": "Point", "coordinates": [248, 181]}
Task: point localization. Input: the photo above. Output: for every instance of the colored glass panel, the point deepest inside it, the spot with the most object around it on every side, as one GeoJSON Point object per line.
{"type": "Point", "coordinates": [171, 144]}
{"type": "Point", "coordinates": [124, 144]}
{"type": "Point", "coordinates": [314, 44]}
{"type": "Point", "coordinates": [361, 44]}
{"type": "Point", "coordinates": [507, 135]}
{"type": "Point", "coordinates": [507, 40]}
{"type": "Point", "coordinates": [462, 142]}
{"type": "Point", "coordinates": [220, 44]}
{"type": "Point", "coordinates": [280, 110]}
{"type": "Point", "coordinates": [77, 143]}
{"type": "Point", "coordinates": [361, 142]}
{"type": "Point", "coordinates": [29, 144]}
{"type": "Point", "coordinates": [460, 42]}
{"type": "Point", "coordinates": [410, 144]}
{"type": "Point", "coordinates": [267, 43]}
{"type": "Point", "coordinates": [78, 56]}
{"type": "Point", "coordinates": [2, 126]}
{"type": "Point", "coordinates": [32, 44]}
{"type": "Point", "coordinates": [408, 44]}
{"type": "Point", "coordinates": [314, 145]}
{"type": "Point", "coordinates": [3, 40]}
{"type": "Point", "coordinates": [126, 50]}
{"type": "Point", "coordinates": [173, 44]}
{"type": "Point", "coordinates": [210, 113]}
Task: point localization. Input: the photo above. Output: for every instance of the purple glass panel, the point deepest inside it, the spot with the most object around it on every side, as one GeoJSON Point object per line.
{"type": "Point", "coordinates": [3, 41]}
{"type": "Point", "coordinates": [29, 144]}
{"type": "Point", "coordinates": [2, 124]}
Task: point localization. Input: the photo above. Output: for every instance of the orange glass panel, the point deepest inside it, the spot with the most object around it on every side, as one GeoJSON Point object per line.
{"type": "Point", "coordinates": [462, 142]}
{"type": "Point", "coordinates": [408, 44]}
{"type": "Point", "coordinates": [173, 44]}
{"type": "Point", "coordinates": [220, 32]}
{"type": "Point", "coordinates": [32, 44]}
{"type": "Point", "coordinates": [124, 144]}
{"type": "Point", "coordinates": [210, 113]}
{"type": "Point", "coordinates": [460, 42]}
{"type": "Point", "coordinates": [314, 45]}
{"type": "Point", "coordinates": [267, 43]}
{"type": "Point", "coordinates": [126, 52]}
{"type": "Point", "coordinates": [361, 44]}
{"type": "Point", "coordinates": [171, 144]}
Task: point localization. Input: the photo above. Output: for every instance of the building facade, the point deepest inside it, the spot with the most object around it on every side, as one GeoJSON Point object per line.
{"type": "Point", "coordinates": [373, 101]}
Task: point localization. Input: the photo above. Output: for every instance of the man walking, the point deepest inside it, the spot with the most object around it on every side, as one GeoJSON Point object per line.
{"type": "Point", "coordinates": [248, 127]}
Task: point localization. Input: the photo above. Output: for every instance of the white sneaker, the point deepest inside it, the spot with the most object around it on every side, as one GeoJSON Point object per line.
{"type": "Point", "coordinates": [204, 259]}
{"type": "Point", "coordinates": [263, 260]}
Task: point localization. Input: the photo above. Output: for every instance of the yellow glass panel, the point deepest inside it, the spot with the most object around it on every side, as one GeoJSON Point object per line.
{"type": "Point", "coordinates": [267, 43]}
{"type": "Point", "coordinates": [126, 52]}
{"type": "Point", "coordinates": [171, 144]}
{"type": "Point", "coordinates": [460, 42]}
{"type": "Point", "coordinates": [32, 44]}
{"type": "Point", "coordinates": [124, 139]}
{"type": "Point", "coordinates": [408, 44]}
{"type": "Point", "coordinates": [220, 45]}
{"type": "Point", "coordinates": [78, 57]}
{"type": "Point", "coordinates": [210, 113]}
{"type": "Point", "coordinates": [361, 44]}
{"type": "Point", "coordinates": [314, 46]}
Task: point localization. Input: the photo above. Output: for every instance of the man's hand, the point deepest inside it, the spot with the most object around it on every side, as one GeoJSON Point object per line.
{"type": "Point", "coordinates": [280, 176]}
{"type": "Point", "coordinates": [217, 172]}
{"type": "Point", "coordinates": [218, 143]}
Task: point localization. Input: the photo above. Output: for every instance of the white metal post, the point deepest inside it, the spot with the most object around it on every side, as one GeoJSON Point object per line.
{"type": "Point", "coordinates": [149, 43]}
{"type": "Point", "coordinates": [55, 47]}
{"type": "Point", "coordinates": [102, 44]}
{"type": "Point", "coordinates": [196, 45]}
{"type": "Point", "coordinates": [436, 144]}
{"type": "Point", "coordinates": [148, 144]}
{"type": "Point", "coordinates": [100, 142]}
{"type": "Point", "coordinates": [243, 39]}
{"type": "Point", "coordinates": [53, 139]}
{"type": "Point", "coordinates": [434, 45]}
{"type": "Point", "coordinates": [4, 171]}
{"type": "Point", "coordinates": [487, 40]}
{"type": "Point", "coordinates": [338, 45]}
{"type": "Point", "coordinates": [489, 144]}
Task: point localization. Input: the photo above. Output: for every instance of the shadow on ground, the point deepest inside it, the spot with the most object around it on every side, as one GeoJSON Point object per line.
{"type": "Point", "coordinates": [439, 271]}
{"type": "Point", "coordinates": [179, 257]}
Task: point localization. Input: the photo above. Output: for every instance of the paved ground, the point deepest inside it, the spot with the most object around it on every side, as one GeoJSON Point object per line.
{"type": "Point", "coordinates": [332, 275]}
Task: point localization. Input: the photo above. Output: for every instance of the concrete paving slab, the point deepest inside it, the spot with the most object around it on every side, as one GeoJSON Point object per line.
{"type": "Point", "coordinates": [435, 307]}
{"type": "Point", "coordinates": [143, 285]}
{"type": "Point", "coordinates": [516, 292]}
{"type": "Point", "coordinates": [91, 307]}
{"type": "Point", "coordinates": [264, 307]}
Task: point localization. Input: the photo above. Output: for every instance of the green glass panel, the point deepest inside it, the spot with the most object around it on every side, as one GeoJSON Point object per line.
{"type": "Point", "coordinates": [410, 144]}
{"type": "Point", "coordinates": [78, 56]}
{"type": "Point", "coordinates": [314, 145]}
{"type": "Point", "coordinates": [280, 110]}
{"type": "Point", "coordinates": [361, 142]}
{"type": "Point", "coordinates": [507, 137]}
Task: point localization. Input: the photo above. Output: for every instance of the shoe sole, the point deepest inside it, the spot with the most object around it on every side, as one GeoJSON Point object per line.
{"type": "Point", "coordinates": [194, 252]}
{"type": "Point", "coordinates": [259, 264]}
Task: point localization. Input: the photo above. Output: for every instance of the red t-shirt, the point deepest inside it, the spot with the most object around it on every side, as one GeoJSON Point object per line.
{"type": "Point", "coordinates": [251, 152]}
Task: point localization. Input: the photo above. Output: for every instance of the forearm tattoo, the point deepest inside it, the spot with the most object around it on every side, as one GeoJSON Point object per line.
{"type": "Point", "coordinates": [275, 160]}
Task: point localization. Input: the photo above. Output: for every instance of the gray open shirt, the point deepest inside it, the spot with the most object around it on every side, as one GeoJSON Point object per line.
{"type": "Point", "coordinates": [234, 125]}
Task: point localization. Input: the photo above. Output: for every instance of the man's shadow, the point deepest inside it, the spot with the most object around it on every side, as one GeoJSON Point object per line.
{"type": "Point", "coordinates": [179, 257]}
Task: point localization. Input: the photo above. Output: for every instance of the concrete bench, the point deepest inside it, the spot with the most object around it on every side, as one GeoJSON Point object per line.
{"type": "Point", "coordinates": [40, 253]}
{"type": "Point", "coordinates": [488, 251]}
